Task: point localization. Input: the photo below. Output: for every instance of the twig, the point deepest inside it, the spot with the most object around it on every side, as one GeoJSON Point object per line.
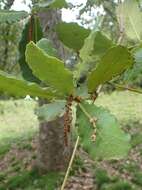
{"type": "Point", "coordinates": [126, 88]}
{"type": "Point", "coordinates": [70, 164]}
{"type": "Point", "coordinates": [99, 89]}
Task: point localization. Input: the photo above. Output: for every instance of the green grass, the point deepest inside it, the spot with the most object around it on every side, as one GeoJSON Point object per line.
{"type": "Point", "coordinates": [126, 106]}
{"type": "Point", "coordinates": [17, 123]}
{"type": "Point", "coordinates": [102, 177]}
{"type": "Point", "coordinates": [31, 180]}
{"type": "Point", "coordinates": [120, 185]}
{"type": "Point", "coordinates": [77, 164]}
{"type": "Point", "coordinates": [17, 117]}
{"type": "Point", "coordinates": [136, 139]}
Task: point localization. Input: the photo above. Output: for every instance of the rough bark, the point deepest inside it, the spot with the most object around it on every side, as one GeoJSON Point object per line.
{"type": "Point", "coordinates": [53, 155]}
{"type": "Point", "coordinates": [49, 20]}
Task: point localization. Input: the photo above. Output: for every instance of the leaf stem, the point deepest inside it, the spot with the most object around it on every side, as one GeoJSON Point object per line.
{"type": "Point", "coordinates": [85, 112]}
{"type": "Point", "coordinates": [70, 164]}
{"type": "Point", "coordinates": [92, 120]}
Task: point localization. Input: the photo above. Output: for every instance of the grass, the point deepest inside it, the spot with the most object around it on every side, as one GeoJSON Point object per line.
{"type": "Point", "coordinates": [17, 117]}
{"type": "Point", "coordinates": [120, 185]}
{"type": "Point", "coordinates": [126, 106]}
{"type": "Point", "coordinates": [102, 177]}
{"type": "Point", "coordinates": [18, 126]}
{"type": "Point", "coordinates": [17, 123]}
{"type": "Point", "coordinates": [31, 180]}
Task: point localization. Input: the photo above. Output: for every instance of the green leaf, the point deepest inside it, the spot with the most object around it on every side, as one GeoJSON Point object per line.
{"type": "Point", "coordinates": [49, 69]}
{"type": "Point", "coordinates": [50, 112]}
{"type": "Point", "coordinates": [29, 26]}
{"type": "Point", "coordinates": [96, 44]}
{"type": "Point", "coordinates": [111, 142]}
{"type": "Point", "coordinates": [114, 62]}
{"type": "Point", "coordinates": [12, 16]}
{"type": "Point", "coordinates": [21, 88]}
{"type": "Point", "coordinates": [72, 35]}
{"type": "Point", "coordinates": [133, 75]}
{"type": "Point", "coordinates": [130, 16]}
{"type": "Point", "coordinates": [53, 4]}
{"type": "Point", "coordinates": [46, 45]}
{"type": "Point", "coordinates": [138, 54]}
{"type": "Point", "coordinates": [82, 91]}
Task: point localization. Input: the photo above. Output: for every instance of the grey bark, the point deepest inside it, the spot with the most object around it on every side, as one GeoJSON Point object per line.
{"type": "Point", "coordinates": [53, 155]}
{"type": "Point", "coordinates": [49, 20]}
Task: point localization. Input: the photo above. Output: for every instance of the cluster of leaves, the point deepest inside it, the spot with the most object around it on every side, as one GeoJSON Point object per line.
{"type": "Point", "coordinates": [11, 16]}
{"type": "Point", "coordinates": [130, 19]}
{"type": "Point", "coordinates": [134, 75]}
{"type": "Point", "coordinates": [128, 16]}
{"type": "Point", "coordinates": [101, 60]}
{"type": "Point", "coordinates": [9, 35]}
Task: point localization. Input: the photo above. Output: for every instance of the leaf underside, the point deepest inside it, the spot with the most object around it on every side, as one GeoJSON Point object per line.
{"type": "Point", "coordinates": [46, 45]}
{"type": "Point", "coordinates": [111, 142]}
{"type": "Point", "coordinates": [50, 112]}
{"type": "Point", "coordinates": [130, 17]}
{"type": "Point", "coordinates": [95, 46]}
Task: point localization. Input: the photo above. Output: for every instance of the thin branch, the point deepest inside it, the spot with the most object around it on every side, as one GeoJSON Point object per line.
{"type": "Point", "coordinates": [126, 88]}
{"type": "Point", "coordinates": [70, 164]}
{"type": "Point", "coordinates": [99, 89]}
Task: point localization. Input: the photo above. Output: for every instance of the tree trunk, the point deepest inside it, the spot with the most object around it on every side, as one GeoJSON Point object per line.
{"type": "Point", "coordinates": [53, 155]}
